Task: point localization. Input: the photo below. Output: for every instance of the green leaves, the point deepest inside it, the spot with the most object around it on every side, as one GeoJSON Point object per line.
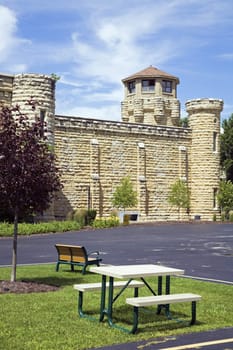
{"type": "Point", "coordinates": [226, 154]}
{"type": "Point", "coordinates": [179, 195]}
{"type": "Point", "coordinates": [28, 174]}
{"type": "Point", "coordinates": [124, 195]}
{"type": "Point", "coordinates": [225, 196]}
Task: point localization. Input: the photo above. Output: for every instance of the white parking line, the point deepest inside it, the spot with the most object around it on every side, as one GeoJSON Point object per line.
{"type": "Point", "coordinates": [206, 279]}
{"type": "Point", "coordinates": [197, 345]}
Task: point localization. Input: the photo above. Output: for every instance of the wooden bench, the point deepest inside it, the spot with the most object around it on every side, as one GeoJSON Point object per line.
{"type": "Point", "coordinates": [162, 300]}
{"type": "Point", "coordinates": [76, 255]}
{"type": "Point", "coordinates": [90, 287]}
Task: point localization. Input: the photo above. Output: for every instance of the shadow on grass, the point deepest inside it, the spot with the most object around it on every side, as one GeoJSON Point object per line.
{"type": "Point", "coordinates": [150, 320]}
{"type": "Point", "coordinates": [66, 278]}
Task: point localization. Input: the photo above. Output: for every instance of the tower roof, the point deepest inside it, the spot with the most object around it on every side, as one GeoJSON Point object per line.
{"type": "Point", "coordinates": [151, 72]}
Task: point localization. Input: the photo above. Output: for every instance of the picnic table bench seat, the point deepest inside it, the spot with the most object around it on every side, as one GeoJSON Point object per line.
{"type": "Point", "coordinates": [162, 300]}
{"type": "Point", "coordinates": [76, 256]}
{"type": "Point", "coordinates": [90, 287]}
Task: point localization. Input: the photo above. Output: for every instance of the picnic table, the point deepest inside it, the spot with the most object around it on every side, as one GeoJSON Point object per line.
{"type": "Point", "coordinates": [130, 272]}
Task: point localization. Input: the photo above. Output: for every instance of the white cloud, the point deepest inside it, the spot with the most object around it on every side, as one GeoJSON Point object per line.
{"type": "Point", "coordinates": [7, 32]}
{"type": "Point", "coordinates": [94, 44]}
{"type": "Point", "coordinates": [9, 41]}
{"type": "Point", "coordinates": [111, 112]}
{"type": "Point", "coordinates": [226, 56]}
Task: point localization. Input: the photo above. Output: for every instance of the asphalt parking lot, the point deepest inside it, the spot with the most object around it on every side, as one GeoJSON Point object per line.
{"type": "Point", "coordinates": [203, 250]}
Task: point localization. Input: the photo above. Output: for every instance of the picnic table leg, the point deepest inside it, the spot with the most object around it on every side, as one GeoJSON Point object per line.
{"type": "Point", "coordinates": [160, 291]}
{"type": "Point", "coordinates": [103, 297]}
{"type": "Point", "coordinates": [135, 320]}
{"type": "Point", "coordinates": [110, 301]}
{"type": "Point", "coordinates": [80, 304]}
{"type": "Point", "coordinates": [193, 320]}
{"type": "Point", "coordinates": [168, 279]}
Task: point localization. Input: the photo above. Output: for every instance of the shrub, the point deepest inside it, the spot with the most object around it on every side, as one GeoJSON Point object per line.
{"type": "Point", "coordinates": [231, 216]}
{"type": "Point", "coordinates": [90, 216]}
{"type": "Point", "coordinates": [126, 219]}
{"type": "Point", "coordinates": [223, 216]}
{"type": "Point", "coordinates": [80, 216]}
{"type": "Point", "coordinates": [70, 215]}
{"type": "Point", "coordinates": [112, 221]}
{"type": "Point", "coordinates": [114, 212]}
{"type": "Point", "coordinates": [6, 229]}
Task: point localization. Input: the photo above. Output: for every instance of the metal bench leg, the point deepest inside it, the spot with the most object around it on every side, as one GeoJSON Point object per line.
{"type": "Point", "coordinates": [84, 269]}
{"type": "Point", "coordinates": [57, 266]}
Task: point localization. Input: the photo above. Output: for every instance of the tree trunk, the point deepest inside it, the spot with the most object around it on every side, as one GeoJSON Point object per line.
{"type": "Point", "coordinates": [14, 250]}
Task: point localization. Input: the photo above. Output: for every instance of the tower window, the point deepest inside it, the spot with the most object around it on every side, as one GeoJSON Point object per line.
{"type": "Point", "coordinates": [131, 87]}
{"type": "Point", "coordinates": [167, 86]}
{"type": "Point", "coordinates": [214, 141]}
{"type": "Point", "coordinates": [148, 85]}
{"type": "Point", "coordinates": [215, 193]}
{"type": "Point", "coordinates": [42, 121]}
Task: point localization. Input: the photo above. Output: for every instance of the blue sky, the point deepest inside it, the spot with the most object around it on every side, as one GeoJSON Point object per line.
{"type": "Point", "coordinates": [93, 44]}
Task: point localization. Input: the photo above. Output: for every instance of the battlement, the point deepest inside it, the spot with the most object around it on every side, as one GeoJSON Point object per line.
{"type": "Point", "coordinates": [202, 104]}
{"type": "Point", "coordinates": [119, 127]}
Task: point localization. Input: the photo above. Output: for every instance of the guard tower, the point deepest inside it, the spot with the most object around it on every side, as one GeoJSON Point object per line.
{"type": "Point", "coordinates": [150, 97]}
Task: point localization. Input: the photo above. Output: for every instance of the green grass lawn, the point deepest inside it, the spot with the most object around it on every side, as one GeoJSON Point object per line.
{"type": "Point", "coordinates": [47, 321]}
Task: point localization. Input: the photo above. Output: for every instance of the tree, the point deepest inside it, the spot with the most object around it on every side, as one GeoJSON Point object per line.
{"type": "Point", "coordinates": [28, 175]}
{"type": "Point", "coordinates": [124, 195]}
{"type": "Point", "coordinates": [225, 197]}
{"type": "Point", "coordinates": [179, 195]}
{"type": "Point", "coordinates": [226, 147]}
{"type": "Point", "coordinates": [184, 122]}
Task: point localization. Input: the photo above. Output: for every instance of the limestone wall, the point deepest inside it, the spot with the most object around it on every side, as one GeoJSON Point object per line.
{"type": "Point", "coordinates": [97, 154]}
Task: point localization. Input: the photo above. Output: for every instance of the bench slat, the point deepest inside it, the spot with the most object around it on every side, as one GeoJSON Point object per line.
{"type": "Point", "coordinates": [163, 299]}
{"type": "Point", "coordinates": [87, 287]}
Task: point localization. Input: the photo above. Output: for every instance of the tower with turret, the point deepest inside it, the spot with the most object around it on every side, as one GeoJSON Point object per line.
{"type": "Point", "coordinates": [150, 97]}
{"type": "Point", "coordinates": [204, 161]}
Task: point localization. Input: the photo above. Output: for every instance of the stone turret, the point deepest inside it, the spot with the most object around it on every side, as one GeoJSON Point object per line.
{"type": "Point", "coordinates": [40, 88]}
{"type": "Point", "coordinates": [150, 98]}
{"type": "Point", "coordinates": [204, 164]}
{"type": "Point", "coordinates": [6, 86]}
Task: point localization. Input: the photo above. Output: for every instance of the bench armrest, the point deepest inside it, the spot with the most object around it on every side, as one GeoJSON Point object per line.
{"type": "Point", "coordinates": [96, 252]}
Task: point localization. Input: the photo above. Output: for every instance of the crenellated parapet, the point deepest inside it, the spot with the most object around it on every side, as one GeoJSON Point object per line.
{"type": "Point", "coordinates": [210, 105]}
{"type": "Point", "coordinates": [94, 125]}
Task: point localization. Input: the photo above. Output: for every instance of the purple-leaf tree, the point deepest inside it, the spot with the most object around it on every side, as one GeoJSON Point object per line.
{"type": "Point", "coordinates": [29, 177]}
